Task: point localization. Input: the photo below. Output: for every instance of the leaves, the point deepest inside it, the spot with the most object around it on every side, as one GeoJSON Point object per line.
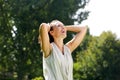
{"type": "Point", "coordinates": [100, 59]}
{"type": "Point", "coordinates": [97, 58]}
{"type": "Point", "coordinates": [19, 24]}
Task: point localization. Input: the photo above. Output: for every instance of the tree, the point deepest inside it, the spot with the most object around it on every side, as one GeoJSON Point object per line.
{"type": "Point", "coordinates": [20, 54]}
{"type": "Point", "coordinates": [85, 67]}
{"type": "Point", "coordinates": [111, 53]}
{"type": "Point", "coordinates": [100, 59]}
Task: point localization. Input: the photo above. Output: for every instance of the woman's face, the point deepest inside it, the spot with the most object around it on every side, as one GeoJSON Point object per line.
{"type": "Point", "coordinates": [59, 30]}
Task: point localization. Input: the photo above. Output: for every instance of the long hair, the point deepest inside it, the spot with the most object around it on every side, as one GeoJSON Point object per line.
{"type": "Point", "coordinates": [51, 39]}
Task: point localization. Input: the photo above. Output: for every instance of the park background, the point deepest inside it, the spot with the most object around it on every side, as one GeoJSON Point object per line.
{"type": "Point", "coordinates": [96, 58]}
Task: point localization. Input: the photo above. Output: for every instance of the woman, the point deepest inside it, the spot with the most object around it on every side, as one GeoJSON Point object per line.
{"type": "Point", "coordinates": [57, 59]}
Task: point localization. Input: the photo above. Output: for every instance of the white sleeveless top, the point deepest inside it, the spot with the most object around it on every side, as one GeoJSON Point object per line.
{"type": "Point", "coordinates": [58, 66]}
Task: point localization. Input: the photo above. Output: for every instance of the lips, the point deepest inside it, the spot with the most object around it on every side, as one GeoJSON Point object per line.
{"type": "Point", "coordinates": [63, 31]}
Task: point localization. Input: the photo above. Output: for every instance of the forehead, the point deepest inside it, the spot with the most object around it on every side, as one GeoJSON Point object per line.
{"type": "Point", "coordinates": [55, 23]}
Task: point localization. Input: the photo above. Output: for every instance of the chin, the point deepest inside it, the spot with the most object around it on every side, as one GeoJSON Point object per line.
{"type": "Point", "coordinates": [64, 36]}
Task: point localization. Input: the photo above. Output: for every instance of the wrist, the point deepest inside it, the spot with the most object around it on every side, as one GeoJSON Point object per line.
{"type": "Point", "coordinates": [45, 26]}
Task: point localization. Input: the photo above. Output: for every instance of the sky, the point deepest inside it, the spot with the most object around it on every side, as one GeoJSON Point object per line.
{"type": "Point", "coordinates": [104, 16]}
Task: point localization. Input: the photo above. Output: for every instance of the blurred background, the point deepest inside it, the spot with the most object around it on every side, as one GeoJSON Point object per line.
{"type": "Point", "coordinates": [96, 58]}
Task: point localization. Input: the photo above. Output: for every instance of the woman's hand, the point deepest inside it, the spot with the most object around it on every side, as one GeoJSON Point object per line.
{"type": "Point", "coordinates": [45, 25]}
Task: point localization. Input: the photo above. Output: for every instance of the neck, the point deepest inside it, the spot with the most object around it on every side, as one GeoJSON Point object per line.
{"type": "Point", "coordinates": [59, 43]}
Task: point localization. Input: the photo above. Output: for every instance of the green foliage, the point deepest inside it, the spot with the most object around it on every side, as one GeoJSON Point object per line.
{"type": "Point", "coordinates": [97, 58]}
{"type": "Point", "coordinates": [20, 56]}
{"type": "Point", "coordinates": [38, 78]}
{"type": "Point", "coordinates": [111, 53]}
{"type": "Point", "coordinates": [100, 60]}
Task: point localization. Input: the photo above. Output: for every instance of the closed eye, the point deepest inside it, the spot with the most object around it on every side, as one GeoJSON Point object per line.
{"type": "Point", "coordinates": [59, 25]}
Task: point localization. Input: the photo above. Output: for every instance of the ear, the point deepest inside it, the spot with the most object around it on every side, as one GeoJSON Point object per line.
{"type": "Point", "coordinates": [51, 33]}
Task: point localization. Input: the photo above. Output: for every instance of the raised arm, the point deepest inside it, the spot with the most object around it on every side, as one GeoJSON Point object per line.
{"type": "Point", "coordinates": [77, 39]}
{"type": "Point", "coordinates": [44, 39]}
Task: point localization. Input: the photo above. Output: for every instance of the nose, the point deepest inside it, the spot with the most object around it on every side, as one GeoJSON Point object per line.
{"type": "Point", "coordinates": [62, 27]}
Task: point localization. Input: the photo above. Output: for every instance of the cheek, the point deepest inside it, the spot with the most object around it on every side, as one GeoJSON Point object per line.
{"type": "Point", "coordinates": [57, 30]}
{"type": "Point", "coordinates": [54, 32]}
